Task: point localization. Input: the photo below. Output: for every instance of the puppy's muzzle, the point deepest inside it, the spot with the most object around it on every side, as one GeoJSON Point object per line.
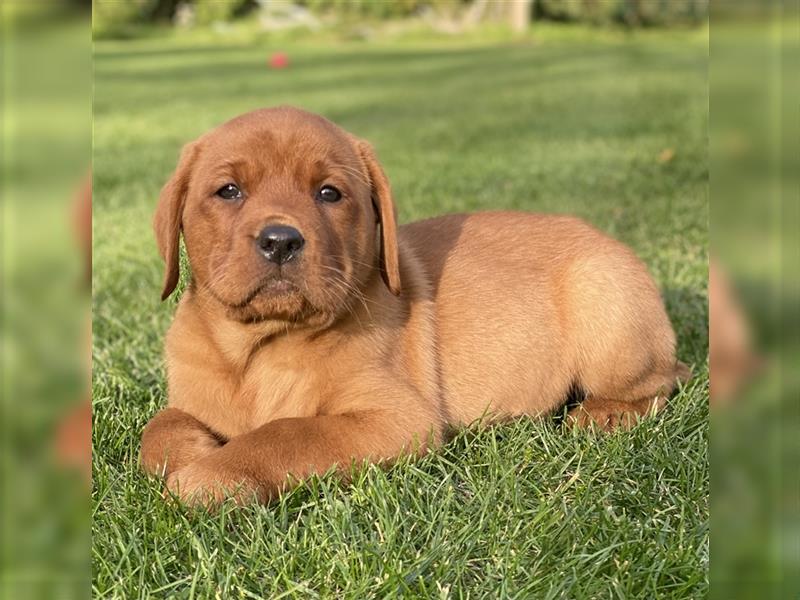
{"type": "Point", "coordinates": [280, 243]}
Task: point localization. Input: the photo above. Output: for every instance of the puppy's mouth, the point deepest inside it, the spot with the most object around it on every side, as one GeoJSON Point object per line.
{"type": "Point", "coordinates": [273, 287]}
{"type": "Point", "coordinates": [276, 287]}
{"type": "Point", "coordinates": [274, 298]}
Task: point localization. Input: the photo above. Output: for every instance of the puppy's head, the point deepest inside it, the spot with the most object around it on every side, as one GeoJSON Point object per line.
{"type": "Point", "coordinates": [280, 211]}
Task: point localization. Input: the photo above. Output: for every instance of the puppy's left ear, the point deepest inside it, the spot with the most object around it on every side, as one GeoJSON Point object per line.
{"type": "Point", "coordinates": [387, 217]}
{"type": "Point", "coordinates": [167, 221]}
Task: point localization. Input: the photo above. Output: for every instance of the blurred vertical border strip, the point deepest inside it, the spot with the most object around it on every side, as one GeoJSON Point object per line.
{"type": "Point", "coordinates": [790, 313]}
{"type": "Point", "coordinates": [46, 153]}
{"type": "Point", "coordinates": [754, 341]}
{"type": "Point", "coordinates": [6, 416]}
{"type": "Point", "coordinates": [5, 244]}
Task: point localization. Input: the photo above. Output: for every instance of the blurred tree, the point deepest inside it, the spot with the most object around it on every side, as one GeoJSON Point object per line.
{"type": "Point", "coordinates": [213, 11]}
{"type": "Point", "coordinates": [109, 14]}
{"type": "Point", "coordinates": [368, 8]}
{"type": "Point", "coordinates": [81, 4]}
{"type": "Point", "coordinates": [663, 12]}
{"type": "Point", "coordinates": [592, 11]}
{"type": "Point", "coordinates": [634, 13]}
{"type": "Point", "coordinates": [520, 13]}
{"type": "Point", "coordinates": [517, 13]}
{"type": "Point", "coordinates": [162, 10]}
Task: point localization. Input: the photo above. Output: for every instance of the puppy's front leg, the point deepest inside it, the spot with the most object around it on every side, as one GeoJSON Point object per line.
{"type": "Point", "coordinates": [172, 440]}
{"type": "Point", "coordinates": [260, 464]}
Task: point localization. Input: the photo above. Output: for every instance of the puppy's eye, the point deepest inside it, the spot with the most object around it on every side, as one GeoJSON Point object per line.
{"type": "Point", "coordinates": [328, 193]}
{"type": "Point", "coordinates": [229, 191]}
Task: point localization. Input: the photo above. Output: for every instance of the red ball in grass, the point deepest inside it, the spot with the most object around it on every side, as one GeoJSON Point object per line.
{"type": "Point", "coordinates": [279, 60]}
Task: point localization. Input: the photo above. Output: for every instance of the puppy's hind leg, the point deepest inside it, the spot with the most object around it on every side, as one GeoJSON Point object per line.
{"type": "Point", "coordinates": [610, 407]}
{"type": "Point", "coordinates": [626, 363]}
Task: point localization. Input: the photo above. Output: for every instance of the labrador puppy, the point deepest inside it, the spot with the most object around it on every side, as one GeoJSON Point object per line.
{"type": "Point", "coordinates": [316, 333]}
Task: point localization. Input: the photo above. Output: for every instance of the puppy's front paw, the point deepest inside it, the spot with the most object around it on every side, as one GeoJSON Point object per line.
{"type": "Point", "coordinates": [205, 484]}
{"type": "Point", "coordinates": [174, 439]}
{"type": "Point", "coordinates": [173, 455]}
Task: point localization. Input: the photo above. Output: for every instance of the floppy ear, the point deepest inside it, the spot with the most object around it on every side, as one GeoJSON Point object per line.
{"type": "Point", "coordinates": [384, 206]}
{"type": "Point", "coordinates": [167, 220]}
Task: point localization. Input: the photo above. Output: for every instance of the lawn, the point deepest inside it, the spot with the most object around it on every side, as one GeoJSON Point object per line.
{"type": "Point", "coordinates": [608, 127]}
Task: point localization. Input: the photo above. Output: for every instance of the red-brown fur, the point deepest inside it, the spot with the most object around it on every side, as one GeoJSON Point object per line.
{"type": "Point", "coordinates": [377, 337]}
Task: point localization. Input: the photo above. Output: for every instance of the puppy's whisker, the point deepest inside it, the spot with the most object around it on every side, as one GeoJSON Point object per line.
{"type": "Point", "coordinates": [343, 301]}
{"type": "Point", "coordinates": [351, 289]}
{"type": "Point", "coordinates": [354, 261]}
{"type": "Point", "coordinates": [347, 291]}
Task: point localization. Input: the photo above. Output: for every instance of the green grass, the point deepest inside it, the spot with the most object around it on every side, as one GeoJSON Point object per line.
{"type": "Point", "coordinates": [526, 510]}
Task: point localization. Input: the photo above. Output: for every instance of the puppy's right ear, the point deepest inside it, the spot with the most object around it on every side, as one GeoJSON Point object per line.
{"type": "Point", "coordinates": [384, 206]}
{"type": "Point", "coordinates": [168, 218]}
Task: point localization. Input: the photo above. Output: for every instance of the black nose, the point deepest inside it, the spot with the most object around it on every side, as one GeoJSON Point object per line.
{"type": "Point", "coordinates": [280, 243]}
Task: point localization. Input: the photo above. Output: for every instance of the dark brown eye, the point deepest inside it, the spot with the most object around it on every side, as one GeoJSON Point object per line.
{"type": "Point", "coordinates": [328, 193]}
{"type": "Point", "coordinates": [229, 191]}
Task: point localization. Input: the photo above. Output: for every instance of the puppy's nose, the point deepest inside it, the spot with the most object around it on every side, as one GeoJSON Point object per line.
{"type": "Point", "coordinates": [280, 243]}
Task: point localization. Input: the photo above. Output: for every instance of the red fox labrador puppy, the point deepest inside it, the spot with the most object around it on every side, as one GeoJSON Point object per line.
{"type": "Point", "coordinates": [315, 332]}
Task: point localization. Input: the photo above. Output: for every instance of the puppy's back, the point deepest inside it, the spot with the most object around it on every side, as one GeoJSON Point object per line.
{"type": "Point", "coordinates": [527, 303]}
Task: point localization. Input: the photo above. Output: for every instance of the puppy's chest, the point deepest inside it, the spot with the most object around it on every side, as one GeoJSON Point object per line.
{"type": "Point", "coordinates": [277, 387]}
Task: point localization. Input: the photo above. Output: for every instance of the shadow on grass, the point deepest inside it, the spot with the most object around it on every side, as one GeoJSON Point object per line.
{"type": "Point", "coordinates": [688, 310]}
